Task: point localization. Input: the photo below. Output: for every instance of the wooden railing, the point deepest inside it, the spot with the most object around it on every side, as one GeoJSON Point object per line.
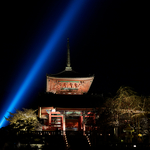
{"type": "Point", "coordinates": [59, 132]}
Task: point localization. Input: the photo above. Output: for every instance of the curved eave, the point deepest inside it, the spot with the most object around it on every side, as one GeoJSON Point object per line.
{"type": "Point", "coordinates": [70, 74]}
{"type": "Point", "coordinates": [72, 78]}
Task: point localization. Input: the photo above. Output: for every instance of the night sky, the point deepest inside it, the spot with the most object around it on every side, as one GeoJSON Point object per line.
{"type": "Point", "coordinates": [109, 38]}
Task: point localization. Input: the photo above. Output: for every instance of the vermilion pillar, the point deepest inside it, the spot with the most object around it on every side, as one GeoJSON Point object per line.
{"type": "Point", "coordinates": [83, 122]}
{"type": "Point", "coordinates": [62, 120]}
{"type": "Point", "coordinates": [49, 121]}
{"type": "Point", "coordinates": [64, 123]}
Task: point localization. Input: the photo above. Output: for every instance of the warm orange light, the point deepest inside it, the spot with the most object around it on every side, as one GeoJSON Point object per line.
{"type": "Point", "coordinates": [140, 135]}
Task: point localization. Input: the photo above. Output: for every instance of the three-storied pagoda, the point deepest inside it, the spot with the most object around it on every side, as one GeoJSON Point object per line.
{"type": "Point", "coordinates": [65, 84]}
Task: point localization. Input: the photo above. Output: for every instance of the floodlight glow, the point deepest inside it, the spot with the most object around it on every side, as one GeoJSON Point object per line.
{"type": "Point", "coordinates": [134, 145]}
{"type": "Point", "coordinates": [65, 22]}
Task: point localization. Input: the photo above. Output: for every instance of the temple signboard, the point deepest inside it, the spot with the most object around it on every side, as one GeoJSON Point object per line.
{"type": "Point", "coordinates": [73, 113]}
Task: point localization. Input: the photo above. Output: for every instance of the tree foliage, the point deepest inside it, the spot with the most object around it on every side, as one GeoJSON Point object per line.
{"type": "Point", "coordinates": [125, 99]}
{"type": "Point", "coordinates": [128, 101]}
{"type": "Point", "coordinates": [126, 104]}
{"type": "Point", "coordinates": [24, 120]}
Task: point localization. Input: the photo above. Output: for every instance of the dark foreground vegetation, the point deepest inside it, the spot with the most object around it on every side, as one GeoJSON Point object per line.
{"type": "Point", "coordinates": [56, 140]}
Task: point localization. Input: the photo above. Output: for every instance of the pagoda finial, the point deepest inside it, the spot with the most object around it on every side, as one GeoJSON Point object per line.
{"type": "Point", "coordinates": [68, 68]}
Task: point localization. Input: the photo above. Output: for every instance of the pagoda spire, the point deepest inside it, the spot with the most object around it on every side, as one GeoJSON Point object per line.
{"type": "Point", "coordinates": [68, 68]}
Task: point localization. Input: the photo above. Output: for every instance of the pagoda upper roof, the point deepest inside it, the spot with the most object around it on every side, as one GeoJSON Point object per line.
{"type": "Point", "coordinates": [70, 74]}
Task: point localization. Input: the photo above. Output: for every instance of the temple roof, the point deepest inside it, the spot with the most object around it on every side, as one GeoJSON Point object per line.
{"type": "Point", "coordinates": [68, 101]}
{"type": "Point", "coordinates": [70, 74]}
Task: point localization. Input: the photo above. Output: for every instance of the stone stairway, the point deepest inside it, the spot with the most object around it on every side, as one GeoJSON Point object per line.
{"type": "Point", "coordinates": [55, 142]}
{"type": "Point", "coordinates": [77, 141]}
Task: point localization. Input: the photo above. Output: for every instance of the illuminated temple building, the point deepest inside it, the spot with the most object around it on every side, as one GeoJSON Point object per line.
{"type": "Point", "coordinates": [67, 106]}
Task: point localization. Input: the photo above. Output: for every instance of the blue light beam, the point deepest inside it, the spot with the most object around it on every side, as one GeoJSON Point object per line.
{"type": "Point", "coordinates": [66, 20]}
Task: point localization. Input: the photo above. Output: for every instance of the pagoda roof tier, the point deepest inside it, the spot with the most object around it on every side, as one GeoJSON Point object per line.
{"type": "Point", "coordinates": [68, 101]}
{"type": "Point", "coordinates": [70, 74]}
{"type": "Point", "coordinates": [68, 82]}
